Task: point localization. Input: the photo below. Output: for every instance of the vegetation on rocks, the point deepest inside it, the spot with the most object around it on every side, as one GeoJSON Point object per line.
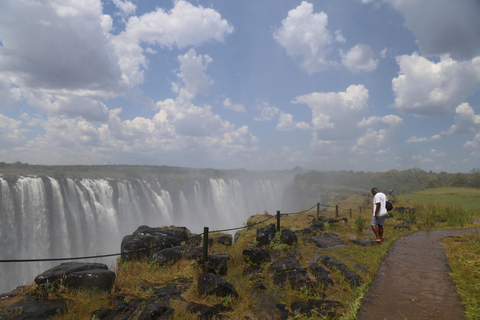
{"type": "Point", "coordinates": [259, 296]}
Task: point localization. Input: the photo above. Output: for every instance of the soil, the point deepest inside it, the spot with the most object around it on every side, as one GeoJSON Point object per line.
{"type": "Point", "coordinates": [413, 282]}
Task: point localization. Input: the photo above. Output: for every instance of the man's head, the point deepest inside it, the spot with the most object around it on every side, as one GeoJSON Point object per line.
{"type": "Point", "coordinates": [374, 191]}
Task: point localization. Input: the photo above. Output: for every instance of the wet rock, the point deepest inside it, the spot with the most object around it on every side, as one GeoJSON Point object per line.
{"type": "Point", "coordinates": [401, 228]}
{"type": "Point", "coordinates": [35, 308]}
{"type": "Point", "coordinates": [284, 313]}
{"type": "Point", "coordinates": [256, 256]}
{"type": "Point", "coordinates": [350, 276]}
{"type": "Point", "coordinates": [216, 264]}
{"type": "Point", "coordinates": [180, 232]}
{"type": "Point", "coordinates": [317, 226]}
{"type": "Point", "coordinates": [167, 256]}
{"type": "Point", "coordinates": [409, 222]}
{"type": "Point", "coordinates": [89, 279]}
{"type": "Point", "coordinates": [321, 274]}
{"type": "Point", "coordinates": [328, 240]}
{"type": "Point", "coordinates": [211, 284]}
{"type": "Point", "coordinates": [194, 240]}
{"type": "Point", "coordinates": [207, 312]}
{"type": "Point", "coordinates": [62, 271]}
{"type": "Point", "coordinates": [324, 308]}
{"type": "Point", "coordinates": [288, 237]}
{"type": "Point", "coordinates": [224, 239]}
{"type": "Point", "coordinates": [331, 221]}
{"type": "Point", "coordinates": [364, 242]}
{"type": "Point", "coordinates": [289, 270]}
{"type": "Point", "coordinates": [194, 253]}
{"type": "Point", "coordinates": [265, 235]}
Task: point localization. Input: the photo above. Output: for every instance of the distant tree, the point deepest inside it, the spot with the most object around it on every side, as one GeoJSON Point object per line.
{"type": "Point", "coordinates": [475, 178]}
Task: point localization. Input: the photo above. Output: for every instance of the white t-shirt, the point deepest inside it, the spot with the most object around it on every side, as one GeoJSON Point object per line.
{"type": "Point", "coordinates": [382, 199]}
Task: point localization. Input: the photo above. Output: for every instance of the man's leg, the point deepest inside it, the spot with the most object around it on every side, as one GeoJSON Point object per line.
{"type": "Point", "coordinates": [380, 232]}
{"type": "Point", "coordinates": [377, 232]}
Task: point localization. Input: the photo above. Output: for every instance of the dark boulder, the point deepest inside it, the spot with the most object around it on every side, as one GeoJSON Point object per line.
{"type": "Point", "coordinates": [350, 276]}
{"type": "Point", "coordinates": [36, 309]}
{"type": "Point", "coordinates": [167, 256]}
{"type": "Point", "coordinates": [256, 256]}
{"type": "Point", "coordinates": [266, 234]}
{"type": "Point", "coordinates": [207, 312]}
{"type": "Point", "coordinates": [62, 271]}
{"type": "Point", "coordinates": [289, 270]}
{"type": "Point", "coordinates": [89, 279]}
{"type": "Point", "coordinates": [211, 284]}
{"type": "Point", "coordinates": [288, 237]}
{"type": "Point", "coordinates": [328, 240]}
{"type": "Point", "coordinates": [321, 274]}
{"type": "Point", "coordinates": [224, 239]}
{"type": "Point", "coordinates": [216, 264]}
{"type": "Point", "coordinates": [317, 226]}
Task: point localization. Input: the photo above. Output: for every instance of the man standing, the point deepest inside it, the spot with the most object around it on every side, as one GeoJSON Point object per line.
{"type": "Point", "coordinates": [379, 214]}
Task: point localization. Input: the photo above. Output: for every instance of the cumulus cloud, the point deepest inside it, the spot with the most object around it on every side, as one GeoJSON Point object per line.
{"type": "Point", "coordinates": [359, 58]}
{"type": "Point", "coordinates": [286, 123]}
{"type": "Point", "coordinates": [227, 103]}
{"type": "Point", "coordinates": [448, 27]}
{"type": "Point", "coordinates": [126, 7]}
{"type": "Point", "coordinates": [335, 109]}
{"type": "Point", "coordinates": [426, 88]}
{"type": "Point", "coordinates": [267, 112]}
{"type": "Point", "coordinates": [377, 141]}
{"type": "Point", "coordinates": [465, 120]}
{"type": "Point", "coordinates": [415, 139]}
{"type": "Point", "coordinates": [304, 34]}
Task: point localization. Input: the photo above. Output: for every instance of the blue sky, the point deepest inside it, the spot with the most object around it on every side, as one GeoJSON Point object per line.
{"type": "Point", "coordinates": [363, 85]}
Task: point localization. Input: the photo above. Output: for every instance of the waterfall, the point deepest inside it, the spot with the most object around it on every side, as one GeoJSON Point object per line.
{"type": "Point", "coordinates": [44, 217]}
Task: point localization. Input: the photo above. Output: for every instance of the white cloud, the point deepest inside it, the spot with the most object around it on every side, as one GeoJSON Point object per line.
{"type": "Point", "coordinates": [339, 37]}
{"type": "Point", "coordinates": [286, 123]}
{"type": "Point", "coordinates": [465, 120]}
{"type": "Point", "coordinates": [126, 7]}
{"type": "Point", "coordinates": [335, 109]}
{"type": "Point", "coordinates": [359, 58]}
{"type": "Point", "coordinates": [304, 34]}
{"type": "Point", "coordinates": [267, 112]}
{"type": "Point", "coordinates": [415, 139]}
{"type": "Point", "coordinates": [227, 103]}
{"type": "Point", "coordinates": [192, 67]}
{"type": "Point", "coordinates": [435, 153]}
{"type": "Point", "coordinates": [446, 27]}
{"type": "Point", "coordinates": [425, 88]}
{"type": "Point", "coordinates": [377, 141]}
{"type": "Point", "coordinates": [10, 132]}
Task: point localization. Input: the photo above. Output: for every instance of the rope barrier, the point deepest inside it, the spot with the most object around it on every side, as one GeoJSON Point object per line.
{"type": "Point", "coordinates": [145, 249]}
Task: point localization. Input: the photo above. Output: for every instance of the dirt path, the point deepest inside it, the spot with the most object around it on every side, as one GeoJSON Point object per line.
{"type": "Point", "coordinates": [413, 282]}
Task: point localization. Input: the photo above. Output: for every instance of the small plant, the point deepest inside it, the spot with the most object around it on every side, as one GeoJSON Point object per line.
{"type": "Point", "coordinates": [360, 224]}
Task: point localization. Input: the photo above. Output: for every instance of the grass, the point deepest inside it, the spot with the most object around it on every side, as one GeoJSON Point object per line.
{"type": "Point", "coordinates": [437, 208]}
{"type": "Point", "coordinates": [464, 258]}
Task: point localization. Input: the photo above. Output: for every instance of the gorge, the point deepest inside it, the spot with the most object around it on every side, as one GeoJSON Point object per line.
{"type": "Point", "coordinates": [45, 217]}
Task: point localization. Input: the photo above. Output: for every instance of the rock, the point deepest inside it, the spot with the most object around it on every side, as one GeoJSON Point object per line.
{"type": "Point", "coordinates": [321, 274]}
{"type": "Point", "coordinates": [256, 256]}
{"type": "Point", "coordinates": [401, 228]}
{"type": "Point", "coordinates": [194, 240]}
{"type": "Point", "coordinates": [364, 242]}
{"type": "Point", "coordinates": [324, 308]}
{"type": "Point", "coordinates": [288, 237]}
{"type": "Point", "coordinates": [328, 240]}
{"type": "Point", "coordinates": [207, 312]}
{"type": "Point", "coordinates": [289, 270]}
{"type": "Point", "coordinates": [224, 239]}
{"type": "Point", "coordinates": [62, 271]}
{"type": "Point", "coordinates": [35, 308]}
{"type": "Point", "coordinates": [210, 284]}
{"type": "Point", "coordinates": [216, 264]}
{"type": "Point", "coordinates": [343, 220]}
{"type": "Point", "coordinates": [89, 279]}
{"type": "Point", "coordinates": [167, 256]}
{"type": "Point", "coordinates": [331, 220]}
{"type": "Point", "coordinates": [284, 314]}
{"type": "Point", "coordinates": [350, 276]}
{"type": "Point", "coordinates": [146, 240]}
{"type": "Point", "coordinates": [195, 253]}
{"type": "Point", "coordinates": [317, 226]}
{"type": "Point", "coordinates": [265, 235]}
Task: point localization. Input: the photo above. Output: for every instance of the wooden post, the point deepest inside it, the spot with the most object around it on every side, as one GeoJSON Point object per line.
{"type": "Point", "coordinates": [336, 211]}
{"type": "Point", "coordinates": [318, 210]}
{"type": "Point", "coordinates": [278, 220]}
{"type": "Point", "coordinates": [350, 212]}
{"type": "Point", "coordinates": [205, 244]}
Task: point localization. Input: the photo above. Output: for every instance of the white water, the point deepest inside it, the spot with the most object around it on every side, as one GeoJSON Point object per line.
{"type": "Point", "coordinates": [48, 218]}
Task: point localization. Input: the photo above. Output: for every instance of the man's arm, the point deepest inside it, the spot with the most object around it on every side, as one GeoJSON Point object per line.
{"type": "Point", "coordinates": [377, 209]}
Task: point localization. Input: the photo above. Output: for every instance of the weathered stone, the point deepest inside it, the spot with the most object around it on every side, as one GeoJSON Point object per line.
{"type": "Point", "coordinates": [288, 237]}
{"type": "Point", "coordinates": [317, 226]}
{"type": "Point", "coordinates": [290, 271]}
{"type": "Point", "coordinates": [216, 264]}
{"type": "Point", "coordinates": [207, 312]}
{"type": "Point", "coordinates": [265, 235]}
{"type": "Point", "coordinates": [350, 276]}
{"type": "Point", "coordinates": [35, 308]}
{"type": "Point", "coordinates": [401, 228]}
{"type": "Point", "coordinates": [321, 274]}
{"type": "Point", "coordinates": [256, 256]}
{"type": "Point", "coordinates": [211, 284]}
{"type": "Point", "coordinates": [194, 253]}
{"type": "Point", "coordinates": [89, 279]}
{"type": "Point", "coordinates": [364, 242]}
{"type": "Point", "coordinates": [224, 239]}
{"type": "Point", "coordinates": [167, 256]}
{"type": "Point", "coordinates": [60, 272]}
{"type": "Point", "coordinates": [284, 314]}
{"type": "Point", "coordinates": [328, 240]}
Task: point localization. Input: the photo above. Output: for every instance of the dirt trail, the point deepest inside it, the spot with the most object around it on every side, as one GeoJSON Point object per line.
{"type": "Point", "coordinates": [413, 282]}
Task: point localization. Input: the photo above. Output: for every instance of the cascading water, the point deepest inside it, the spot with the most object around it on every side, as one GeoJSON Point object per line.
{"type": "Point", "coordinates": [43, 217]}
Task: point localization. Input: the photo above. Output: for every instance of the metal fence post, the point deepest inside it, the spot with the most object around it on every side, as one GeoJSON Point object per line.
{"type": "Point", "coordinates": [336, 211]}
{"type": "Point", "coordinates": [205, 244]}
{"type": "Point", "coordinates": [278, 220]}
